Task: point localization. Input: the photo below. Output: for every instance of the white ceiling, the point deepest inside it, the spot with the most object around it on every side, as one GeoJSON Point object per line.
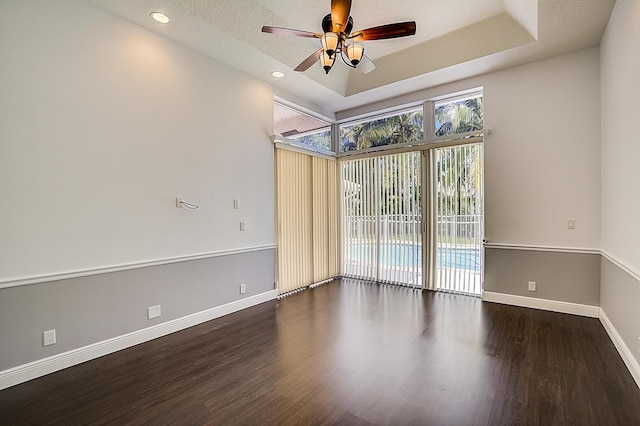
{"type": "Point", "coordinates": [455, 39]}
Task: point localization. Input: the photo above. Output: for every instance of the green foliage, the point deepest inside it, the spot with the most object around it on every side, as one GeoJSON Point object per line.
{"type": "Point", "coordinates": [459, 117]}
{"type": "Point", "coordinates": [405, 127]}
{"type": "Point", "coordinates": [450, 118]}
{"type": "Point", "coordinates": [315, 140]}
{"type": "Point", "coordinates": [459, 180]}
{"type": "Point", "coordinates": [458, 170]}
{"type": "Point", "coordinates": [392, 180]}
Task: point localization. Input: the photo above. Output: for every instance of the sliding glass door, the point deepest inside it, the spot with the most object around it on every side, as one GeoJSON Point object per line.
{"type": "Point", "coordinates": [382, 238]}
{"type": "Point", "coordinates": [382, 217]}
{"type": "Point", "coordinates": [458, 218]}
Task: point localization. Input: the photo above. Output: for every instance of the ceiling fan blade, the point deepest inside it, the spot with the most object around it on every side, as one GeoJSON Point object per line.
{"type": "Point", "coordinates": [400, 29]}
{"type": "Point", "coordinates": [340, 10]}
{"type": "Point", "coordinates": [366, 65]}
{"type": "Point", "coordinates": [289, 32]}
{"type": "Point", "coordinates": [304, 65]}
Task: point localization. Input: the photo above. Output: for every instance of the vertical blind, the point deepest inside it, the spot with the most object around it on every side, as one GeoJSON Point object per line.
{"type": "Point", "coordinates": [382, 238]}
{"type": "Point", "coordinates": [307, 216]}
{"type": "Point", "coordinates": [459, 210]}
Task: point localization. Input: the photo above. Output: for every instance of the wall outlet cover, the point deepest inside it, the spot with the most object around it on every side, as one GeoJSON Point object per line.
{"type": "Point", "coordinates": [154, 311]}
{"type": "Point", "coordinates": [48, 338]}
{"type": "Point", "coordinates": [532, 286]}
{"type": "Point", "coordinates": [243, 288]}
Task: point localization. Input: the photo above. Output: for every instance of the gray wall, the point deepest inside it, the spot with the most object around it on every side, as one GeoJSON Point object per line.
{"type": "Point", "coordinates": [91, 309]}
{"type": "Point", "coordinates": [620, 301]}
{"type": "Point", "coordinates": [567, 277]}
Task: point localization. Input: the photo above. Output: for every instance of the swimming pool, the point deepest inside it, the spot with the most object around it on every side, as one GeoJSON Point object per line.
{"type": "Point", "coordinates": [407, 254]}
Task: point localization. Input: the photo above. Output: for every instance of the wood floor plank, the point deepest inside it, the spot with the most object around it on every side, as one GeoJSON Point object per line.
{"type": "Point", "coordinates": [350, 353]}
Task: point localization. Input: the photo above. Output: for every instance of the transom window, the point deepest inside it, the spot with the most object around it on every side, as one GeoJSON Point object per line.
{"type": "Point", "coordinates": [406, 126]}
{"type": "Point", "coordinates": [459, 115]}
{"type": "Point", "coordinates": [300, 129]}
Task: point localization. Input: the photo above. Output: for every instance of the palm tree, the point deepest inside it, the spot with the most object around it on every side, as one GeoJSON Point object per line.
{"type": "Point", "coordinates": [405, 127]}
{"type": "Point", "coordinates": [460, 117]}
{"type": "Point", "coordinates": [459, 179]}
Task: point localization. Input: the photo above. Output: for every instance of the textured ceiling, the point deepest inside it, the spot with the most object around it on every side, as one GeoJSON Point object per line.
{"type": "Point", "coordinates": [454, 39]}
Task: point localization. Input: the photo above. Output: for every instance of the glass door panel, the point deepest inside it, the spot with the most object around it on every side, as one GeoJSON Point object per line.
{"type": "Point", "coordinates": [457, 177]}
{"type": "Point", "coordinates": [382, 238]}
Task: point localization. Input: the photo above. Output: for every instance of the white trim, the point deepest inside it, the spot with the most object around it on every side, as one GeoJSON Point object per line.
{"type": "Point", "coordinates": [623, 349]}
{"type": "Point", "coordinates": [41, 367]}
{"type": "Point", "coordinates": [542, 248]}
{"type": "Point", "coordinates": [543, 304]}
{"type": "Point", "coordinates": [628, 269]}
{"type": "Point", "coordinates": [621, 265]}
{"type": "Point", "coordinates": [302, 150]}
{"type": "Point", "coordinates": [35, 279]}
{"type": "Point", "coordinates": [424, 144]}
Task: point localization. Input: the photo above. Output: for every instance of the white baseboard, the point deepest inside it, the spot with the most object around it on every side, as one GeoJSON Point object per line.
{"type": "Point", "coordinates": [544, 304]}
{"type": "Point", "coordinates": [623, 349]}
{"type": "Point", "coordinates": [41, 367]}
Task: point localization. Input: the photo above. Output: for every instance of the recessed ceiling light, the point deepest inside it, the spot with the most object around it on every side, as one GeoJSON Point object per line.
{"type": "Point", "coordinates": [277, 74]}
{"type": "Point", "coordinates": [160, 17]}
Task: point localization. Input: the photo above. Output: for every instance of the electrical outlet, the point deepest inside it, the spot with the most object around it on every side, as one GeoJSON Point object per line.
{"type": "Point", "coordinates": [243, 288]}
{"type": "Point", "coordinates": [532, 286]}
{"type": "Point", "coordinates": [236, 204]}
{"type": "Point", "coordinates": [48, 338]}
{"type": "Point", "coordinates": [154, 312]}
{"type": "Point", "coordinates": [639, 344]}
{"type": "Point", "coordinates": [242, 226]}
{"type": "Point", "coordinates": [571, 224]}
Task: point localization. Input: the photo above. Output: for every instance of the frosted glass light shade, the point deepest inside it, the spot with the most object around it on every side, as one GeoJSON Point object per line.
{"type": "Point", "coordinates": [330, 43]}
{"type": "Point", "coordinates": [355, 51]}
{"type": "Point", "coordinates": [326, 61]}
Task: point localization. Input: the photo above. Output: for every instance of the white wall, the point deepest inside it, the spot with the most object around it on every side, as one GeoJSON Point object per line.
{"type": "Point", "coordinates": [542, 159]}
{"type": "Point", "coordinates": [102, 125]}
{"type": "Point", "coordinates": [620, 112]}
{"type": "Point", "coordinates": [620, 86]}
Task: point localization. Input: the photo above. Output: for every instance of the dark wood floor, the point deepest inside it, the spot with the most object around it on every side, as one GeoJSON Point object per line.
{"type": "Point", "coordinates": [355, 354]}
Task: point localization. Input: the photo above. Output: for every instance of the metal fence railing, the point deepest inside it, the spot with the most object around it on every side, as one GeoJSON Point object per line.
{"type": "Point", "coordinates": [462, 227]}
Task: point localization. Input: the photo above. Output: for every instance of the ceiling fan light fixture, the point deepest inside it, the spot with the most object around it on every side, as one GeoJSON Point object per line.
{"type": "Point", "coordinates": [330, 43]}
{"type": "Point", "coordinates": [355, 52]}
{"type": "Point", "coordinates": [337, 31]}
{"type": "Point", "coordinates": [326, 61]}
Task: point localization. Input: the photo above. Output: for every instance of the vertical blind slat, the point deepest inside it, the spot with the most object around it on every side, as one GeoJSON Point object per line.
{"type": "Point", "coordinates": [306, 217]}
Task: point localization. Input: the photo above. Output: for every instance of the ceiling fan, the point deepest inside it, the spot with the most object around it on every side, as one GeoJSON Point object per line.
{"type": "Point", "coordinates": [338, 39]}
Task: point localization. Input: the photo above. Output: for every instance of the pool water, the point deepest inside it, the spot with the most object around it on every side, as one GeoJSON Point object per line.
{"type": "Point", "coordinates": [408, 254]}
